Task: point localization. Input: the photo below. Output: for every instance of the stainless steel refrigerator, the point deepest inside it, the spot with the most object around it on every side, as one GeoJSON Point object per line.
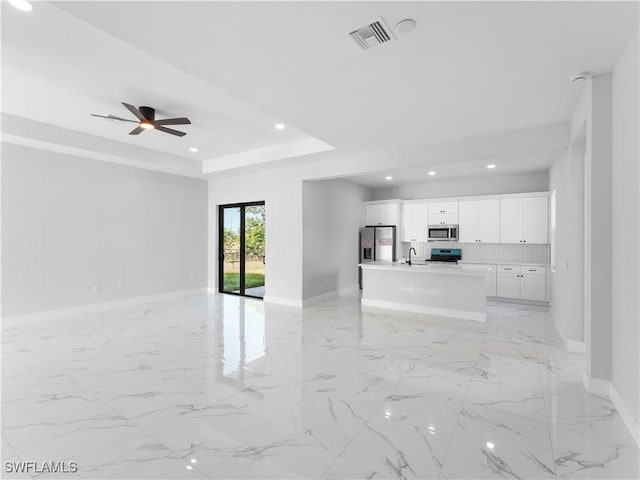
{"type": "Point", "coordinates": [377, 244]}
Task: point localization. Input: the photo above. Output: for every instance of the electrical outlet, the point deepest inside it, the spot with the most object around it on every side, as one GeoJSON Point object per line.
{"type": "Point", "coordinates": [120, 285]}
{"type": "Point", "coordinates": [192, 276]}
{"type": "Point", "coordinates": [95, 288]}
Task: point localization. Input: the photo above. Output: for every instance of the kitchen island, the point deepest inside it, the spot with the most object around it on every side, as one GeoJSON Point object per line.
{"type": "Point", "coordinates": [457, 291]}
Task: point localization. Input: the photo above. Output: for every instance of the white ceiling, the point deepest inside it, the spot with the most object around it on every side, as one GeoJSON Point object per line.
{"type": "Point", "coordinates": [235, 69]}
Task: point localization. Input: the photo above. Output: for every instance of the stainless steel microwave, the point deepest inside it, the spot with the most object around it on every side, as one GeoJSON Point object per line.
{"type": "Point", "coordinates": [446, 233]}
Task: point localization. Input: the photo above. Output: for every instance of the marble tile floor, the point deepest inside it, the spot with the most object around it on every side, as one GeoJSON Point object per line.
{"type": "Point", "coordinates": [216, 386]}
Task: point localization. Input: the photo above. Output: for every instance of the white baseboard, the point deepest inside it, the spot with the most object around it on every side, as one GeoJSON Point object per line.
{"type": "Point", "coordinates": [441, 312]}
{"type": "Point", "coordinates": [519, 301]}
{"type": "Point", "coordinates": [329, 295]}
{"type": "Point", "coordinates": [575, 346]}
{"type": "Point", "coordinates": [597, 386]}
{"type": "Point", "coordinates": [312, 300]}
{"type": "Point", "coordinates": [606, 389]}
{"type": "Point", "coordinates": [96, 307]}
{"type": "Point", "coordinates": [289, 302]}
{"type": "Point", "coordinates": [630, 422]}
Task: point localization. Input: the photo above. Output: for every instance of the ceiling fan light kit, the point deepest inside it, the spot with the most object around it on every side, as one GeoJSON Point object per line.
{"type": "Point", "coordinates": [147, 120]}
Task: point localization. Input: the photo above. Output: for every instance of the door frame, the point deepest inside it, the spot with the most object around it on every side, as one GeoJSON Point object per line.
{"type": "Point", "coordinates": [242, 207]}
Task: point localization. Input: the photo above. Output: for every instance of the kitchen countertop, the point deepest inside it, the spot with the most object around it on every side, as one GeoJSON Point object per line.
{"type": "Point", "coordinates": [493, 262]}
{"type": "Point", "coordinates": [472, 270]}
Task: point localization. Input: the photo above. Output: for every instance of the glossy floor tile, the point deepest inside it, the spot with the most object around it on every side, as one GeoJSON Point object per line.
{"type": "Point", "coordinates": [220, 387]}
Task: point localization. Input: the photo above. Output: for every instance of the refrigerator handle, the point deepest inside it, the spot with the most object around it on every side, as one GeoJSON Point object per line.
{"type": "Point", "coordinates": [375, 244]}
{"type": "Point", "coordinates": [393, 251]}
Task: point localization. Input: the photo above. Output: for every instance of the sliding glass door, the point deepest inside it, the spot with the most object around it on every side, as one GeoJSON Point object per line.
{"type": "Point", "coordinates": [242, 249]}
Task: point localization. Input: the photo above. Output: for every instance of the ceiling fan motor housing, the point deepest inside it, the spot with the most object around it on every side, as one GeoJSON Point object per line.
{"type": "Point", "coordinates": [148, 113]}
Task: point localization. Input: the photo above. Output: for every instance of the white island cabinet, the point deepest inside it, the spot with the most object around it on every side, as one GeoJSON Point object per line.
{"type": "Point", "coordinates": [457, 291]}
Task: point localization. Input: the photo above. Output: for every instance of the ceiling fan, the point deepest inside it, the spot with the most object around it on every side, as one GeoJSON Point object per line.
{"type": "Point", "coordinates": [146, 120]}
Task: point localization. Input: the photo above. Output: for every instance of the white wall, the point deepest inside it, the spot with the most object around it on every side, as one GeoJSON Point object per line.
{"type": "Point", "coordinates": [70, 223]}
{"type": "Point", "coordinates": [625, 216]}
{"type": "Point", "coordinates": [487, 185]}
{"type": "Point", "coordinates": [282, 194]}
{"type": "Point", "coordinates": [598, 230]}
{"type": "Point", "coordinates": [567, 274]}
{"type": "Point", "coordinates": [332, 214]}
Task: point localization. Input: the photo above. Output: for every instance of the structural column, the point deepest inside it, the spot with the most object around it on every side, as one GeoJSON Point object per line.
{"type": "Point", "coordinates": [598, 238]}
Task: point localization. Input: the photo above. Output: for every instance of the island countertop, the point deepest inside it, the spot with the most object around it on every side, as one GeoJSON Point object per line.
{"type": "Point", "coordinates": [467, 270]}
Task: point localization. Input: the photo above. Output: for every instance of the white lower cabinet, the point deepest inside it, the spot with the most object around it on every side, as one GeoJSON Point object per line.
{"type": "Point", "coordinates": [508, 282]}
{"type": "Point", "coordinates": [519, 281]}
{"type": "Point", "coordinates": [533, 287]}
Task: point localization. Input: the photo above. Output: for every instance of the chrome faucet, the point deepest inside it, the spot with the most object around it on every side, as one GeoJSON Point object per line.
{"type": "Point", "coordinates": [414, 252]}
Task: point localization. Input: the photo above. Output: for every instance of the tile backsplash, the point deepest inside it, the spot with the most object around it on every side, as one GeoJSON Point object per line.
{"type": "Point", "coordinates": [494, 252]}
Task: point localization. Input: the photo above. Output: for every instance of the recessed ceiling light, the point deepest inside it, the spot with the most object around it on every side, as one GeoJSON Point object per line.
{"type": "Point", "coordinates": [21, 5]}
{"type": "Point", "coordinates": [279, 126]}
{"type": "Point", "coordinates": [490, 166]}
{"type": "Point", "coordinates": [580, 77]}
{"type": "Point", "coordinates": [388, 177]}
{"type": "Point", "coordinates": [432, 173]}
{"type": "Point", "coordinates": [406, 25]}
{"type": "Point", "coordinates": [193, 149]}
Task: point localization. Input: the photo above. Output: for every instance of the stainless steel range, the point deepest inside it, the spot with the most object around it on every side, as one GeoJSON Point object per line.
{"type": "Point", "coordinates": [449, 256]}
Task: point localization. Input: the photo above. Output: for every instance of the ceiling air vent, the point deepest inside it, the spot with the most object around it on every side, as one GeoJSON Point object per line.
{"type": "Point", "coordinates": [372, 34]}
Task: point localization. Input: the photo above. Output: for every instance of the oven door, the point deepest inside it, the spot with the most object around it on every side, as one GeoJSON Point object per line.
{"type": "Point", "coordinates": [438, 232]}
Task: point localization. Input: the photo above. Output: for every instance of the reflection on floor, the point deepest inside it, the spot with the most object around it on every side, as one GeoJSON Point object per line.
{"type": "Point", "coordinates": [219, 386]}
{"type": "Point", "coordinates": [255, 291]}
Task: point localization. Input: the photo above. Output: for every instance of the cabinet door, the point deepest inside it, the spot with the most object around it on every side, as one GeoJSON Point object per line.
{"type": "Point", "coordinates": [535, 219]}
{"type": "Point", "coordinates": [408, 227]}
{"type": "Point", "coordinates": [508, 285]}
{"type": "Point", "coordinates": [488, 221]}
{"type": "Point", "coordinates": [443, 207]}
{"type": "Point", "coordinates": [372, 215]}
{"type": "Point", "coordinates": [420, 226]}
{"type": "Point", "coordinates": [443, 219]}
{"type": "Point", "coordinates": [533, 287]}
{"type": "Point", "coordinates": [511, 220]}
{"type": "Point", "coordinates": [468, 220]}
{"type": "Point", "coordinates": [389, 214]}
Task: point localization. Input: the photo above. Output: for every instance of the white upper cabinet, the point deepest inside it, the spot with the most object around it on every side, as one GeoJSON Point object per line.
{"type": "Point", "coordinates": [479, 221]}
{"type": "Point", "coordinates": [489, 221]}
{"type": "Point", "coordinates": [381, 214]}
{"type": "Point", "coordinates": [535, 219]}
{"type": "Point", "coordinates": [523, 220]}
{"type": "Point", "coordinates": [468, 220]}
{"type": "Point", "coordinates": [414, 222]}
{"type": "Point", "coordinates": [443, 213]}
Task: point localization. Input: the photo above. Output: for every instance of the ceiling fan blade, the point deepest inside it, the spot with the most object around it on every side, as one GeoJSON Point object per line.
{"type": "Point", "coordinates": [113, 117]}
{"type": "Point", "coordinates": [135, 111]}
{"type": "Point", "coordinates": [136, 131]}
{"type": "Point", "coordinates": [173, 121]}
{"type": "Point", "coordinates": [160, 128]}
